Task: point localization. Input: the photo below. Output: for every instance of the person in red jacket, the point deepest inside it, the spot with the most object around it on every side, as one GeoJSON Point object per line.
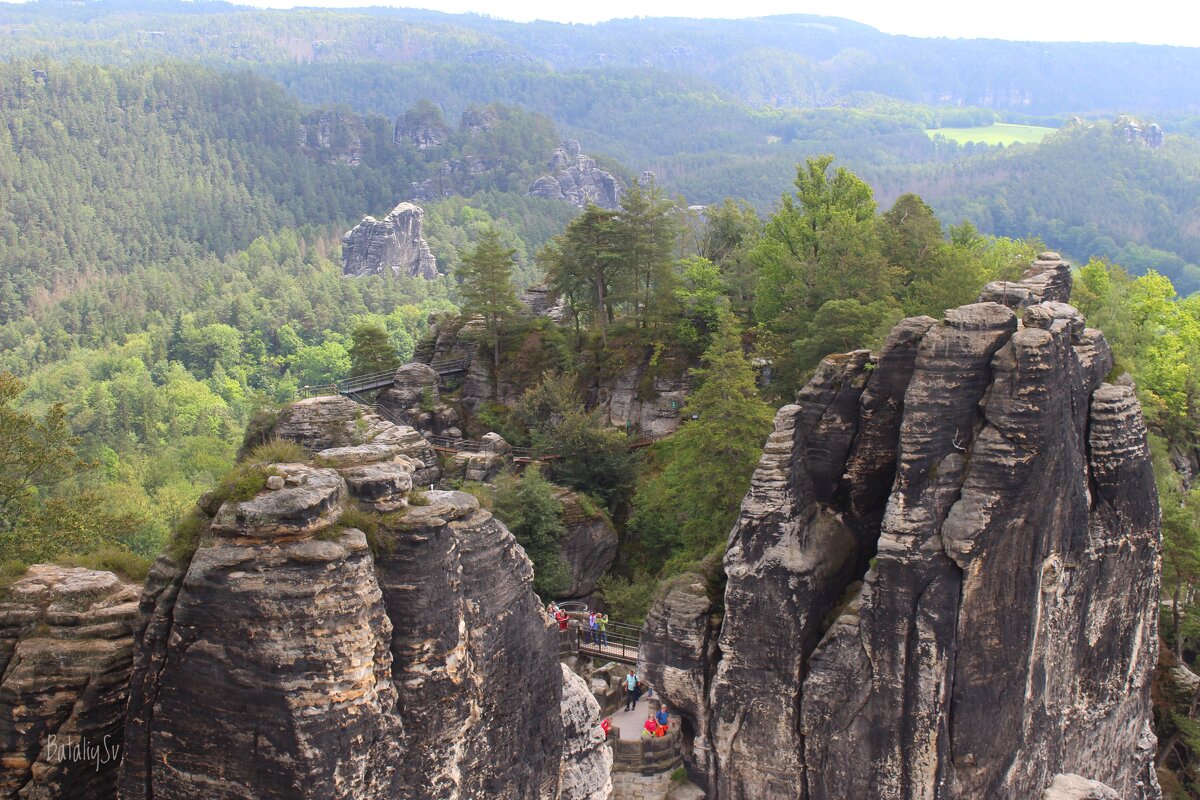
{"type": "Point", "coordinates": [562, 618]}
{"type": "Point", "coordinates": [651, 726]}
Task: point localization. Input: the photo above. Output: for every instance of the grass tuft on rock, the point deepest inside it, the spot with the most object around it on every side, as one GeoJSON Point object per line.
{"type": "Point", "coordinates": [187, 536]}
{"type": "Point", "coordinates": [122, 563]}
{"type": "Point", "coordinates": [277, 451]}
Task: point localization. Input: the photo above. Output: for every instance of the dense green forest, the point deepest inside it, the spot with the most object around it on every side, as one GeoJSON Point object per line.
{"type": "Point", "coordinates": [170, 264]}
{"type": "Point", "coordinates": [170, 254]}
{"type": "Point", "coordinates": [715, 108]}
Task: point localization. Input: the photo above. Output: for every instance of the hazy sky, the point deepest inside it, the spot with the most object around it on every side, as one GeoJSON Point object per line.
{"type": "Point", "coordinates": [1043, 20]}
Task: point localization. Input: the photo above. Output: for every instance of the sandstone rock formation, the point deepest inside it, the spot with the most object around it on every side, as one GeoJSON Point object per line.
{"type": "Point", "coordinates": [421, 126]}
{"type": "Point", "coordinates": [575, 178]}
{"type": "Point", "coordinates": [588, 548]}
{"type": "Point", "coordinates": [393, 244]}
{"type": "Point", "coordinates": [541, 301]}
{"type": "Point", "coordinates": [643, 399]}
{"type": "Point", "coordinates": [944, 579]}
{"type": "Point", "coordinates": [333, 135]}
{"type": "Point", "coordinates": [586, 759]}
{"type": "Point", "coordinates": [321, 423]}
{"type": "Point", "coordinates": [66, 648]}
{"type": "Point", "coordinates": [294, 656]}
{"type": "Point", "coordinates": [414, 398]}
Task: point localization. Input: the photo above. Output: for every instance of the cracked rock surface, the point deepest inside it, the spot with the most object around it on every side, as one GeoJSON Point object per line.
{"type": "Point", "coordinates": [944, 579]}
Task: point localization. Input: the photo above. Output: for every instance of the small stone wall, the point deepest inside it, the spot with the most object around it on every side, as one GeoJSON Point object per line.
{"type": "Point", "coordinates": [642, 768]}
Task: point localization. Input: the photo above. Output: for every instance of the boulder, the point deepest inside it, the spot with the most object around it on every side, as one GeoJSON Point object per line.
{"type": "Point", "coordinates": [1048, 279]}
{"type": "Point", "coordinates": [66, 650]}
{"type": "Point", "coordinates": [322, 424]}
{"type": "Point", "coordinates": [414, 398]}
{"type": "Point", "coordinates": [392, 245]}
{"type": "Point", "coordinates": [943, 581]}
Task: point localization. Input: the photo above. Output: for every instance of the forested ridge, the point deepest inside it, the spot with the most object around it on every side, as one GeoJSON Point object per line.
{"type": "Point", "coordinates": [170, 265]}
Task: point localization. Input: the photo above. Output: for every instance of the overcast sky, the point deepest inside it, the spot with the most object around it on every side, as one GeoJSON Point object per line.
{"type": "Point", "coordinates": [1042, 20]}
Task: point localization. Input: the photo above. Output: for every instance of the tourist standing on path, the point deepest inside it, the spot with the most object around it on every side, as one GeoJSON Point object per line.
{"type": "Point", "coordinates": [562, 618]}
{"type": "Point", "coordinates": [592, 636]}
{"type": "Point", "coordinates": [602, 621]}
{"type": "Point", "coordinates": [631, 693]}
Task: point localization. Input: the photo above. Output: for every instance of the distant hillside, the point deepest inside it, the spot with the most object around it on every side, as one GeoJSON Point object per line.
{"type": "Point", "coordinates": [109, 169]}
{"type": "Point", "coordinates": [795, 60]}
{"type": "Point", "coordinates": [1086, 190]}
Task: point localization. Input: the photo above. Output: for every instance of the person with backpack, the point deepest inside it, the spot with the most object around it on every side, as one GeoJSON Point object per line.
{"type": "Point", "coordinates": [631, 695]}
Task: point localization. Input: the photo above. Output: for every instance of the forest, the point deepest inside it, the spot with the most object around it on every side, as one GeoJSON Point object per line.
{"type": "Point", "coordinates": [172, 206]}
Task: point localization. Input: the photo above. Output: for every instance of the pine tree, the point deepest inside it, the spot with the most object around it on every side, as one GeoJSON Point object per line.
{"type": "Point", "coordinates": [644, 238]}
{"type": "Point", "coordinates": [487, 289]}
{"type": "Point", "coordinates": [528, 507]}
{"type": "Point", "coordinates": [695, 500]}
{"type": "Point", "coordinates": [371, 350]}
{"type": "Point", "coordinates": [587, 258]}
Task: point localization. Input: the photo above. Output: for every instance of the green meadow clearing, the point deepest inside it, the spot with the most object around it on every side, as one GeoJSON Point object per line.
{"type": "Point", "coordinates": [1001, 133]}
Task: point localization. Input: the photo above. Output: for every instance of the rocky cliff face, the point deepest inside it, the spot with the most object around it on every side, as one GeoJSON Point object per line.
{"type": "Point", "coordinates": [575, 178]}
{"type": "Point", "coordinates": [66, 646]}
{"type": "Point", "coordinates": [944, 579]}
{"type": "Point", "coordinates": [393, 244]}
{"type": "Point", "coordinates": [333, 135]}
{"type": "Point", "coordinates": [295, 656]}
{"type": "Point", "coordinates": [587, 759]}
{"type": "Point", "coordinates": [588, 548]}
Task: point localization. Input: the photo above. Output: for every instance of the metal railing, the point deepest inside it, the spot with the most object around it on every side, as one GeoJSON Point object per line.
{"type": "Point", "coordinates": [478, 446]}
{"type": "Point", "coordinates": [618, 642]}
{"type": "Point", "coordinates": [365, 383]}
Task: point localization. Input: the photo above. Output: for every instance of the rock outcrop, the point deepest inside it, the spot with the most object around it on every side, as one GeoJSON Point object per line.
{"type": "Point", "coordinates": [944, 579]}
{"type": "Point", "coordinates": [295, 656]}
{"type": "Point", "coordinates": [66, 649]}
{"type": "Point", "coordinates": [644, 395]}
{"type": "Point", "coordinates": [575, 178]}
{"type": "Point", "coordinates": [333, 135]}
{"type": "Point", "coordinates": [588, 548]}
{"type": "Point", "coordinates": [322, 423]}
{"type": "Point", "coordinates": [392, 245]}
{"type": "Point", "coordinates": [414, 398]}
{"type": "Point", "coordinates": [587, 758]}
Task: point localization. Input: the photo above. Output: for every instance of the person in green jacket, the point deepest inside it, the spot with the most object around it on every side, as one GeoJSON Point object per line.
{"type": "Point", "coordinates": [602, 623]}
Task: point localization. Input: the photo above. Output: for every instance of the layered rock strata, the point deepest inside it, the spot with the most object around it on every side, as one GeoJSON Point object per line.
{"type": "Point", "coordinates": [66, 648]}
{"type": "Point", "coordinates": [414, 398]}
{"type": "Point", "coordinates": [393, 245]}
{"type": "Point", "coordinates": [944, 579]}
{"type": "Point", "coordinates": [320, 423]}
{"type": "Point", "coordinates": [294, 656]}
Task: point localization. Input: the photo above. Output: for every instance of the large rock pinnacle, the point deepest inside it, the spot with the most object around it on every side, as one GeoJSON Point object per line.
{"type": "Point", "coordinates": [392, 245]}
{"type": "Point", "coordinates": [944, 580]}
